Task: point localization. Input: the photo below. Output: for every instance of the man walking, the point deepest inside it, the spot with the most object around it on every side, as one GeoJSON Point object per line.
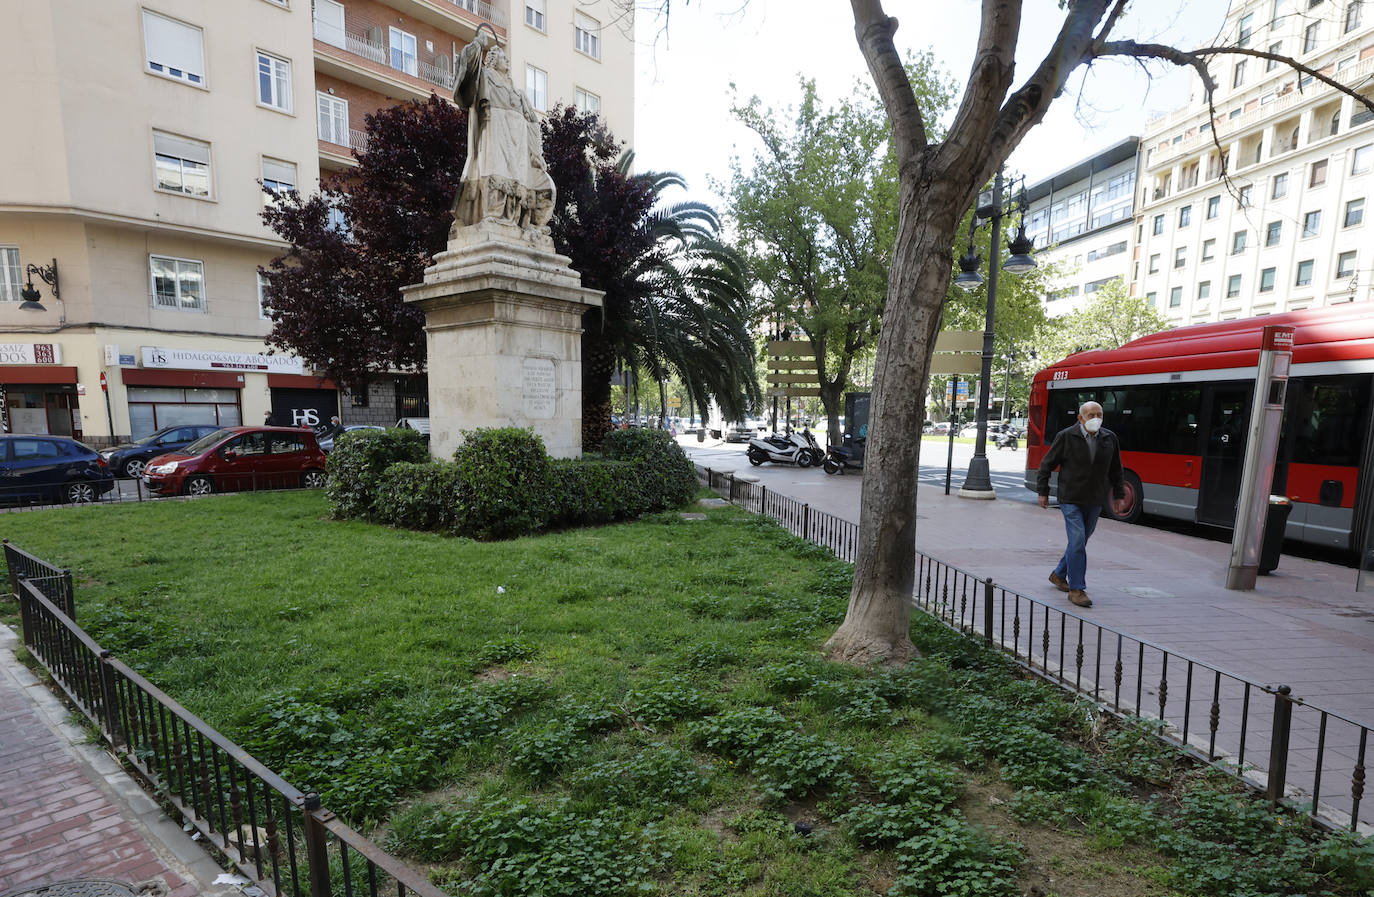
{"type": "Point", "coordinates": [1088, 457]}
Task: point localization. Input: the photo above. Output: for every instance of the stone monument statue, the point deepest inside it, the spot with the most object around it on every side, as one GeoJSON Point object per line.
{"type": "Point", "coordinates": [505, 177]}
{"type": "Point", "coordinates": [503, 310]}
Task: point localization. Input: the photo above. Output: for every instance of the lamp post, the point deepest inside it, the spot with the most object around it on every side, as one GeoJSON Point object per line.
{"type": "Point", "coordinates": [978, 482]}
{"type": "Point", "coordinates": [1006, 382]}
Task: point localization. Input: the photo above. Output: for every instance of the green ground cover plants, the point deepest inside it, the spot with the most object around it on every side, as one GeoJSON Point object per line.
{"type": "Point", "coordinates": [642, 709]}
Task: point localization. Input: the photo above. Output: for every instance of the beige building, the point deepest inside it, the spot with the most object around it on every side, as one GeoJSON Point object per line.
{"type": "Point", "coordinates": [129, 196]}
{"type": "Point", "coordinates": [1289, 230]}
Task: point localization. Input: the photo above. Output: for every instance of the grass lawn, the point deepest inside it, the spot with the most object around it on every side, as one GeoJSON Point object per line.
{"type": "Point", "coordinates": [642, 709]}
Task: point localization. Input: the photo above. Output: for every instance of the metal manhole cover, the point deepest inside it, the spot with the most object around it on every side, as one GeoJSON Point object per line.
{"type": "Point", "coordinates": [89, 887]}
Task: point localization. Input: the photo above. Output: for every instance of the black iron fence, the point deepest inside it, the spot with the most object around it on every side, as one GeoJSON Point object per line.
{"type": "Point", "coordinates": [1294, 751]}
{"type": "Point", "coordinates": [281, 838]}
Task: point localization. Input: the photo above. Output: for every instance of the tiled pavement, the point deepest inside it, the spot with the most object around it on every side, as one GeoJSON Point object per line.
{"type": "Point", "coordinates": [67, 810]}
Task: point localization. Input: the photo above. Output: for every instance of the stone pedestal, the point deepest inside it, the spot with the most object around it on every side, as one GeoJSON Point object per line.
{"type": "Point", "coordinates": [503, 325]}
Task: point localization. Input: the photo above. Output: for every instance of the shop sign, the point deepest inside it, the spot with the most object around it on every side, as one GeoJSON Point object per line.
{"type": "Point", "coordinates": [202, 360]}
{"type": "Point", "coordinates": [30, 353]}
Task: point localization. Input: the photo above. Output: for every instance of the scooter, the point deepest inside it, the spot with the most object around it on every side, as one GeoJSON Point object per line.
{"type": "Point", "coordinates": [1007, 440]}
{"type": "Point", "coordinates": [798, 448]}
{"type": "Point", "coordinates": [839, 459]}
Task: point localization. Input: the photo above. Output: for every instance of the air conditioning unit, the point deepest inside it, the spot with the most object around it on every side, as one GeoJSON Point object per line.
{"type": "Point", "coordinates": [375, 36]}
{"type": "Point", "coordinates": [441, 62]}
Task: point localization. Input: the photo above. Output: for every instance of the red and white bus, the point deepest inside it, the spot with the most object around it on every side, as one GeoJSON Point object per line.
{"type": "Point", "coordinates": [1180, 402]}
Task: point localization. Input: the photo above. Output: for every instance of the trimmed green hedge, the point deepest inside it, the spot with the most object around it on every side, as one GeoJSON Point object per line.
{"type": "Point", "coordinates": [357, 463]}
{"type": "Point", "coordinates": [502, 484]}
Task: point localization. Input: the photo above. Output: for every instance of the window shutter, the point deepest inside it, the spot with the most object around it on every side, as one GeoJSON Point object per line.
{"type": "Point", "coordinates": [281, 172]}
{"type": "Point", "coordinates": [181, 148]}
{"type": "Point", "coordinates": [172, 44]}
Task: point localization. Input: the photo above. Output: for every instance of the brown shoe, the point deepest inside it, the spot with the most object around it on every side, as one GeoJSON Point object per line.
{"type": "Point", "coordinates": [1080, 598]}
{"type": "Point", "coordinates": [1059, 582]}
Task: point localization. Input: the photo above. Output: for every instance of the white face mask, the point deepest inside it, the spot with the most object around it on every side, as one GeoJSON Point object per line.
{"type": "Point", "coordinates": [1092, 424]}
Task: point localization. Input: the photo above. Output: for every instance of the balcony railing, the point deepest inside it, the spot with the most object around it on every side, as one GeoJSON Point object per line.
{"type": "Point", "coordinates": [357, 139]}
{"type": "Point", "coordinates": [373, 51]}
{"type": "Point", "coordinates": [479, 8]}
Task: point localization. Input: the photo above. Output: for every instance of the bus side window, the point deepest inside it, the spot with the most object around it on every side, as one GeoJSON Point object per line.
{"type": "Point", "coordinates": [1329, 423]}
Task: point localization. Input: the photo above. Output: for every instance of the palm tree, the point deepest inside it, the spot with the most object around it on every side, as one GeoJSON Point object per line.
{"type": "Point", "coordinates": [680, 308]}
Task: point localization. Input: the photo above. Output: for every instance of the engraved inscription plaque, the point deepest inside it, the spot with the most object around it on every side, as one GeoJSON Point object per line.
{"type": "Point", "coordinates": [540, 390]}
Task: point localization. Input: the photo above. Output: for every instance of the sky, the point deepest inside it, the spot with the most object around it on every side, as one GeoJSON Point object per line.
{"type": "Point", "coordinates": [684, 72]}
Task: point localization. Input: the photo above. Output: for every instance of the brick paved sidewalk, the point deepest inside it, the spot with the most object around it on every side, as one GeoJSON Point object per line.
{"type": "Point", "coordinates": [67, 810]}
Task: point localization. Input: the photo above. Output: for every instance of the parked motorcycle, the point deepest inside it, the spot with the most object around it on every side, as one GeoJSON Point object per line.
{"type": "Point", "coordinates": [839, 459]}
{"type": "Point", "coordinates": [800, 449]}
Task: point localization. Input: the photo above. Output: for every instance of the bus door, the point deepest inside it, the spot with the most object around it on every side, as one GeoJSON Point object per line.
{"type": "Point", "coordinates": [1226, 415]}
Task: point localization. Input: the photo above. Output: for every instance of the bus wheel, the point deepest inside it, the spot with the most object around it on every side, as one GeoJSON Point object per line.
{"type": "Point", "coordinates": [1134, 500]}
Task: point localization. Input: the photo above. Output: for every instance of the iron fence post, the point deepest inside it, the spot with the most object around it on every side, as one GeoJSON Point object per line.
{"type": "Point", "coordinates": [806, 520]}
{"type": "Point", "coordinates": [9, 567]}
{"type": "Point", "coordinates": [25, 610]}
{"type": "Point", "coordinates": [732, 486]}
{"type": "Point", "coordinates": [110, 698]}
{"type": "Point", "coordinates": [1278, 743]}
{"type": "Point", "coordinates": [987, 610]}
{"type": "Point", "coordinates": [710, 479]}
{"type": "Point", "coordinates": [316, 847]}
{"type": "Point", "coordinates": [68, 595]}
{"type": "Point", "coordinates": [763, 500]}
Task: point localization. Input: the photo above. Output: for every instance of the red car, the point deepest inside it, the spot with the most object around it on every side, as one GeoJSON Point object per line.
{"type": "Point", "coordinates": [238, 458]}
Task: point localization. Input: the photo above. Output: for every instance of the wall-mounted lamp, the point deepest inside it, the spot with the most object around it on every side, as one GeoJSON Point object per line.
{"type": "Point", "coordinates": [30, 294]}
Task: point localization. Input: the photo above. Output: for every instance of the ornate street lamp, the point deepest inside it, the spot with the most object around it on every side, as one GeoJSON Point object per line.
{"type": "Point", "coordinates": [978, 482]}
{"type": "Point", "coordinates": [30, 294]}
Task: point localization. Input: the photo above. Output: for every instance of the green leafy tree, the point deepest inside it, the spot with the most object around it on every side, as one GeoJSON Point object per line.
{"type": "Point", "coordinates": [1110, 319]}
{"type": "Point", "coordinates": [816, 214]}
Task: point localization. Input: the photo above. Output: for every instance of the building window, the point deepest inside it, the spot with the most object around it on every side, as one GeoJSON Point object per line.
{"type": "Point", "coordinates": [1151, 299]}
{"type": "Point", "coordinates": [1354, 212]}
{"type": "Point", "coordinates": [1304, 277]}
{"type": "Point", "coordinates": [183, 165]}
{"type": "Point", "coordinates": [1345, 265]}
{"type": "Point", "coordinates": [1096, 285]}
{"type": "Point", "coordinates": [1271, 64]}
{"type": "Point", "coordinates": [338, 222]}
{"type": "Point", "coordinates": [1213, 207]}
{"type": "Point", "coordinates": [1318, 173]}
{"type": "Point", "coordinates": [1180, 256]}
{"type": "Point", "coordinates": [11, 274]}
{"type": "Point", "coordinates": [1185, 216]}
{"type": "Point", "coordinates": [1204, 291]}
{"type": "Point", "coordinates": [587, 102]}
{"type": "Point", "coordinates": [152, 408]}
{"type": "Point", "coordinates": [263, 311]}
{"type": "Point", "coordinates": [1159, 225]}
{"type": "Point", "coordinates": [1273, 233]}
{"type": "Point", "coordinates": [177, 283]}
{"type": "Point", "coordinates": [1353, 14]}
{"type": "Point", "coordinates": [1243, 197]}
{"type": "Point", "coordinates": [1238, 242]}
{"type": "Point", "coordinates": [274, 82]}
{"type": "Point", "coordinates": [1175, 297]}
{"type": "Point", "coordinates": [534, 14]}
{"type": "Point", "coordinates": [173, 49]}
{"type": "Point", "coordinates": [403, 56]}
{"type": "Point", "coordinates": [537, 87]}
{"type": "Point", "coordinates": [329, 23]}
{"type": "Point", "coordinates": [1208, 249]}
{"type": "Point", "coordinates": [1280, 188]}
{"type": "Point", "coordinates": [332, 119]}
{"type": "Point", "coordinates": [587, 35]}
{"type": "Point", "coordinates": [1309, 37]}
{"type": "Point", "coordinates": [1247, 22]}
{"type": "Point", "coordinates": [1362, 158]}
{"type": "Point", "coordinates": [277, 176]}
{"type": "Point", "coordinates": [1233, 286]}
{"type": "Point", "coordinates": [1312, 224]}
{"type": "Point", "coordinates": [1107, 251]}
{"type": "Point", "coordinates": [1154, 263]}
{"type": "Point", "coordinates": [1267, 280]}
{"type": "Point", "coordinates": [1238, 74]}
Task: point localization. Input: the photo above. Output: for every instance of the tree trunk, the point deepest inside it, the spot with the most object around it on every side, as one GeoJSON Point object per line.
{"type": "Point", "coordinates": [598, 364]}
{"type": "Point", "coordinates": [877, 624]}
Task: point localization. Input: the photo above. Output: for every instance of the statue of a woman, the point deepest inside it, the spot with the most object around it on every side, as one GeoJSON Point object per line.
{"type": "Point", "coordinates": [505, 176]}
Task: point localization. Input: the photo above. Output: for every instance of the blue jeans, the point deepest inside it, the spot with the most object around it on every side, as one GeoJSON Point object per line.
{"type": "Point", "coordinates": [1079, 521]}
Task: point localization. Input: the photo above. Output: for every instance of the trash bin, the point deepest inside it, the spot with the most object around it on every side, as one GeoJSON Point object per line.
{"type": "Point", "coordinates": [1274, 525]}
{"type": "Point", "coordinates": [701, 434]}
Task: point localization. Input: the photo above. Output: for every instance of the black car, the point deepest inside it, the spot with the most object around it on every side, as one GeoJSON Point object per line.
{"type": "Point", "coordinates": [129, 460]}
{"type": "Point", "coordinates": [51, 469]}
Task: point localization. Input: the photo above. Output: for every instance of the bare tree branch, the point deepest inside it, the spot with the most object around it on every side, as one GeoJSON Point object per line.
{"type": "Point", "coordinates": [874, 29]}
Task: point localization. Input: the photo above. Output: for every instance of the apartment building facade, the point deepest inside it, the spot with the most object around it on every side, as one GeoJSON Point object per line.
{"type": "Point", "coordinates": [1286, 229]}
{"type": "Point", "coordinates": [130, 200]}
{"type": "Point", "coordinates": [1080, 220]}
